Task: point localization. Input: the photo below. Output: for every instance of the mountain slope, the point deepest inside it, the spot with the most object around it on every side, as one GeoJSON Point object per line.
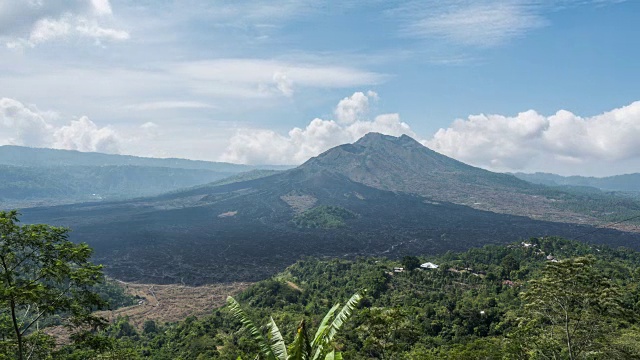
{"type": "Point", "coordinates": [29, 186]}
{"type": "Point", "coordinates": [26, 156]}
{"type": "Point", "coordinates": [626, 182]}
{"type": "Point", "coordinates": [35, 176]}
{"type": "Point", "coordinates": [244, 230]}
{"type": "Point", "coordinates": [403, 164]}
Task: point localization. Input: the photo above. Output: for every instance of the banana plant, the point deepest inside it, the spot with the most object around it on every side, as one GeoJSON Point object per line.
{"type": "Point", "coordinates": [320, 347]}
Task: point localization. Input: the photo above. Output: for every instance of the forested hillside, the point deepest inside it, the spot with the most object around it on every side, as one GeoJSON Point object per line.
{"type": "Point", "coordinates": [489, 303]}
{"type": "Point", "coordinates": [42, 157]}
{"type": "Point", "coordinates": [44, 177]}
{"type": "Point", "coordinates": [30, 186]}
{"type": "Point", "coordinates": [626, 182]}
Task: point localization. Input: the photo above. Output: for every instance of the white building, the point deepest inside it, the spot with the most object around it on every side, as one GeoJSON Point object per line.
{"type": "Point", "coordinates": [429, 265]}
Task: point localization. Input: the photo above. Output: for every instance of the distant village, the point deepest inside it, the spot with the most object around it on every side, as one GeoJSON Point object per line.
{"type": "Point", "coordinates": [482, 274]}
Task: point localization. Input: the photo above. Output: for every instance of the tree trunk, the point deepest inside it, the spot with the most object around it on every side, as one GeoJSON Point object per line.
{"type": "Point", "coordinates": [16, 328]}
{"type": "Point", "coordinates": [566, 329]}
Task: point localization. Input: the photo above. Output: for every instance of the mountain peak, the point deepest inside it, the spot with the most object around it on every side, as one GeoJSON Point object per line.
{"type": "Point", "coordinates": [374, 149]}
{"type": "Point", "coordinates": [374, 138]}
{"type": "Point", "coordinates": [403, 164]}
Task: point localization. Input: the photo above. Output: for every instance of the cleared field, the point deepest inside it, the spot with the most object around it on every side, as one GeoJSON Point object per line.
{"type": "Point", "coordinates": [171, 303]}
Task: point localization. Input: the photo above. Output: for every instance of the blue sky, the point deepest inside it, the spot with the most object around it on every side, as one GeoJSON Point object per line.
{"type": "Point", "coordinates": [513, 85]}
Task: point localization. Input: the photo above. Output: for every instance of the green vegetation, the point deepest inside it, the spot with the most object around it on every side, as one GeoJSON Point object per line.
{"type": "Point", "coordinates": [626, 182]}
{"type": "Point", "coordinates": [43, 274]}
{"type": "Point", "coordinates": [323, 217]}
{"type": "Point", "coordinates": [302, 347]}
{"type": "Point", "coordinates": [37, 177]}
{"type": "Point", "coordinates": [570, 311]}
{"type": "Point", "coordinates": [495, 302]}
{"type": "Point", "coordinates": [26, 186]}
{"type": "Point", "coordinates": [45, 280]}
{"type": "Point", "coordinates": [606, 207]}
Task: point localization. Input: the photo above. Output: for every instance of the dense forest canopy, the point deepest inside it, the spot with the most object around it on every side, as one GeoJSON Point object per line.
{"type": "Point", "coordinates": [493, 302]}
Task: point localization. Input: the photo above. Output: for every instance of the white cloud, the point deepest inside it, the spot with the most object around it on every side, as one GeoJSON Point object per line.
{"type": "Point", "coordinates": [91, 29]}
{"type": "Point", "coordinates": [171, 104]}
{"type": "Point", "coordinates": [482, 23]}
{"type": "Point", "coordinates": [563, 143]}
{"type": "Point", "coordinates": [30, 23]}
{"type": "Point", "coordinates": [27, 126]}
{"type": "Point", "coordinates": [101, 7]}
{"type": "Point", "coordinates": [533, 142]}
{"type": "Point", "coordinates": [23, 125]}
{"type": "Point", "coordinates": [354, 107]}
{"type": "Point", "coordinates": [46, 29]}
{"type": "Point", "coordinates": [259, 78]}
{"type": "Point", "coordinates": [84, 135]}
{"type": "Point", "coordinates": [149, 125]}
{"type": "Point", "coordinates": [479, 23]}
{"type": "Point", "coordinates": [283, 83]}
{"type": "Point", "coordinates": [150, 130]}
{"type": "Point", "coordinates": [256, 146]}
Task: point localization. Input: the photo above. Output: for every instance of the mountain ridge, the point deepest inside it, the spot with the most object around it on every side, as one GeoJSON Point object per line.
{"type": "Point", "coordinates": [38, 176]}
{"type": "Point", "coordinates": [29, 156]}
{"type": "Point", "coordinates": [623, 182]}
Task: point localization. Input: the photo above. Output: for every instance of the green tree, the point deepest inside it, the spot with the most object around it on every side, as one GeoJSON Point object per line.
{"type": "Point", "coordinates": [410, 262]}
{"type": "Point", "coordinates": [303, 348]}
{"type": "Point", "coordinates": [509, 263]}
{"type": "Point", "coordinates": [149, 327]}
{"type": "Point", "coordinates": [569, 312]}
{"type": "Point", "coordinates": [43, 274]}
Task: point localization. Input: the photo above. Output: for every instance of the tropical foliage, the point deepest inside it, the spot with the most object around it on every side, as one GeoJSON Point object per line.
{"type": "Point", "coordinates": [496, 302]}
{"type": "Point", "coordinates": [302, 348]}
{"type": "Point", "coordinates": [45, 280]}
{"type": "Point", "coordinates": [535, 299]}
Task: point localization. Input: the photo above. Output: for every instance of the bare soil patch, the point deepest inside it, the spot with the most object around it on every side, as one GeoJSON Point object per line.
{"type": "Point", "coordinates": [171, 303]}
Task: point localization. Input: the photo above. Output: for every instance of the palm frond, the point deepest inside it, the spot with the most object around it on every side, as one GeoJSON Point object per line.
{"type": "Point", "coordinates": [324, 324]}
{"type": "Point", "coordinates": [333, 355]}
{"type": "Point", "coordinates": [262, 343]}
{"type": "Point", "coordinates": [343, 316]}
{"type": "Point", "coordinates": [300, 349]}
{"type": "Point", "coordinates": [276, 341]}
{"type": "Point", "coordinates": [322, 347]}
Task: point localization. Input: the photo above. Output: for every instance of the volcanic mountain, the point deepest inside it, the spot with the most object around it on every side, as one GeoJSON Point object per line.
{"type": "Point", "coordinates": [401, 164]}
{"type": "Point", "coordinates": [381, 196]}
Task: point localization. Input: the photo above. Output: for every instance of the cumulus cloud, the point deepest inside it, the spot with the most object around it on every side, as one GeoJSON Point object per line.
{"type": "Point", "coordinates": [256, 146]}
{"type": "Point", "coordinates": [563, 143]}
{"type": "Point", "coordinates": [25, 125]}
{"type": "Point", "coordinates": [30, 23]}
{"type": "Point", "coordinates": [84, 135]}
{"type": "Point", "coordinates": [531, 141]}
{"type": "Point", "coordinates": [354, 107]}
